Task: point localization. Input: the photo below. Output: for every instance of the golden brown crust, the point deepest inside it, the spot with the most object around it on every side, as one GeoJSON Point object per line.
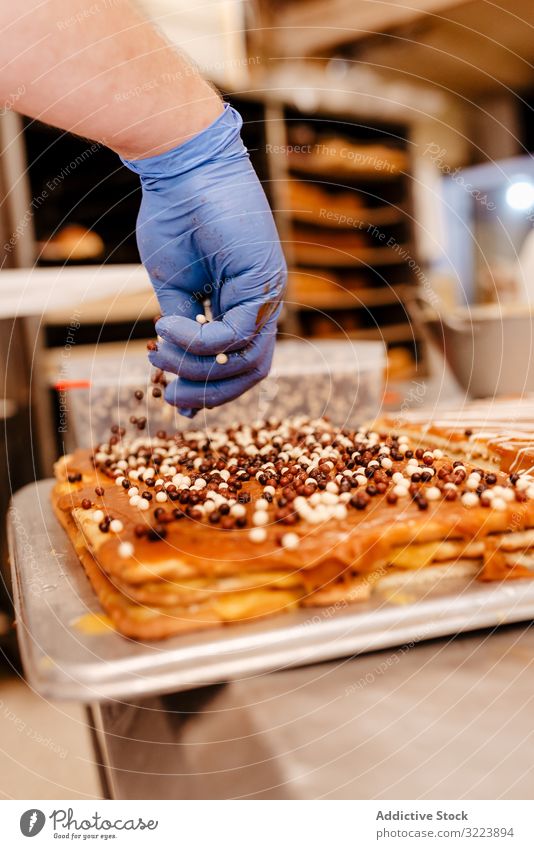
{"type": "Point", "coordinates": [199, 575]}
{"type": "Point", "coordinates": [497, 434]}
{"type": "Point", "coordinates": [144, 622]}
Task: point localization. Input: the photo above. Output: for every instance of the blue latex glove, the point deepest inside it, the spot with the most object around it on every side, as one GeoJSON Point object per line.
{"type": "Point", "coordinates": [205, 231]}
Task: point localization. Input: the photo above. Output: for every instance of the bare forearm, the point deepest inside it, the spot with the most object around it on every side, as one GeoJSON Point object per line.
{"type": "Point", "coordinates": [101, 70]}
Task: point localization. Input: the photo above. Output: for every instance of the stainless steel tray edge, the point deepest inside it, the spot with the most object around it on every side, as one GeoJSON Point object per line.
{"type": "Point", "coordinates": [62, 663]}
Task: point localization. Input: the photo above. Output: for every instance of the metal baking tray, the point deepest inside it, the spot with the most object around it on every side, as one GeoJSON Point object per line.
{"type": "Point", "coordinates": [51, 594]}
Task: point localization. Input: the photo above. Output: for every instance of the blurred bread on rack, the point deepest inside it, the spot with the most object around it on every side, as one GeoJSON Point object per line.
{"type": "Point", "coordinates": [338, 156]}
{"type": "Point", "coordinates": [311, 203]}
{"type": "Point", "coordinates": [333, 247]}
{"type": "Point", "coordinates": [72, 242]}
{"type": "Point", "coordinates": [313, 286]}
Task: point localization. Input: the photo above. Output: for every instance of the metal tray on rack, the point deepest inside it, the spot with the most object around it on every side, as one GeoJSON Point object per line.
{"type": "Point", "coordinates": [52, 596]}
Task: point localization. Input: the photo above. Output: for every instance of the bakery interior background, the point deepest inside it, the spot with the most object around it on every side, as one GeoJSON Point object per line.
{"type": "Point", "coordinates": [395, 147]}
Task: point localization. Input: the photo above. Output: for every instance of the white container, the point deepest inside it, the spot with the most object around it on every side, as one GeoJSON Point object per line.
{"type": "Point", "coordinates": [488, 347]}
{"type": "Point", "coordinates": [340, 379]}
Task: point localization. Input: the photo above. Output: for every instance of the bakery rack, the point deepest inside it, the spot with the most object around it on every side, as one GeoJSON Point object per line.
{"type": "Point", "coordinates": [341, 192]}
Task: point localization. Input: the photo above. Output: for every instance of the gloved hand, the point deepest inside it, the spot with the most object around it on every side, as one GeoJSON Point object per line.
{"type": "Point", "coordinates": [205, 231]}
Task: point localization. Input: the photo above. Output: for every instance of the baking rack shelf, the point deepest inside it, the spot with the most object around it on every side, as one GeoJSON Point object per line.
{"type": "Point", "coordinates": [312, 253]}
{"type": "Point", "coordinates": [401, 332]}
{"type": "Point", "coordinates": [341, 191]}
{"type": "Point", "coordinates": [343, 218]}
{"type": "Point", "coordinates": [346, 299]}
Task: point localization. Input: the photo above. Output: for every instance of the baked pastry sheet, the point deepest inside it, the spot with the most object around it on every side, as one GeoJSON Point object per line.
{"type": "Point", "coordinates": [497, 434]}
{"type": "Point", "coordinates": [188, 531]}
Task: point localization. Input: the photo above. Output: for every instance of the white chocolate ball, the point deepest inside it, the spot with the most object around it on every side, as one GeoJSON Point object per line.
{"type": "Point", "coordinates": [257, 535]}
{"type": "Point", "coordinates": [126, 549]}
{"type": "Point", "coordinates": [290, 541]}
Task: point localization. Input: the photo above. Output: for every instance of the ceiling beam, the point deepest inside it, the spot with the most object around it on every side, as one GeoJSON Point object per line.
{"type": "Point", "coordinates": [307, 28]}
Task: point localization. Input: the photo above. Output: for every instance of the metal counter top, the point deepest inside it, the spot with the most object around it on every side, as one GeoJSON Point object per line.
{"type": "Point", "coordinates": [445, 719]}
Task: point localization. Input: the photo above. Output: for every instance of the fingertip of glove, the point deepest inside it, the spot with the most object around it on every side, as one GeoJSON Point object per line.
{"type": "Point", "coordinates": [188, 412]}
{"type": "Point", "coordinates": [161, 325]}
{"type": "Point", "coordinates": [171, 398]}
{"type": "Point", "coordinates": [153, 358]}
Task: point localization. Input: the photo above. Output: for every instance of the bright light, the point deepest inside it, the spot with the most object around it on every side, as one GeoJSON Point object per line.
{"type": "Point", "coordinates": [520, 195]}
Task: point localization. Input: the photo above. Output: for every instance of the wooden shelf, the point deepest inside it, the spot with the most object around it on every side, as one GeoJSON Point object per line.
{"type": "Point", "coordinates": [348, 299]}
{"type": "Point", "coordinates": [123, 307]}
{"type": "Point", "coordinates": [382, 215]}
{"type": "Point", "coordinates": [343, 159]}
{"type": "Point", "coordinates": [403, 332]}
{"type": "Point", "coordinates": [313, 254]}
{"type": "Point", "coordinates": [348, 176]}
{"type": "Point", "coordinates": [310, 202]}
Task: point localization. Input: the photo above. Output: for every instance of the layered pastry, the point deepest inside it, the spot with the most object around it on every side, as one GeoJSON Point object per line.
{"type": "Point", "coordinates": [498, 434]}
{"type": "Point", "coordinates": [187, 531]}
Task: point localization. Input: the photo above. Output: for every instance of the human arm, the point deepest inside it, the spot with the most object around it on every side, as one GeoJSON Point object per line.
{"type": "Point", "coordinates": [102, 70]}
{"type": "Point", "coordinates": [205, 228]}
